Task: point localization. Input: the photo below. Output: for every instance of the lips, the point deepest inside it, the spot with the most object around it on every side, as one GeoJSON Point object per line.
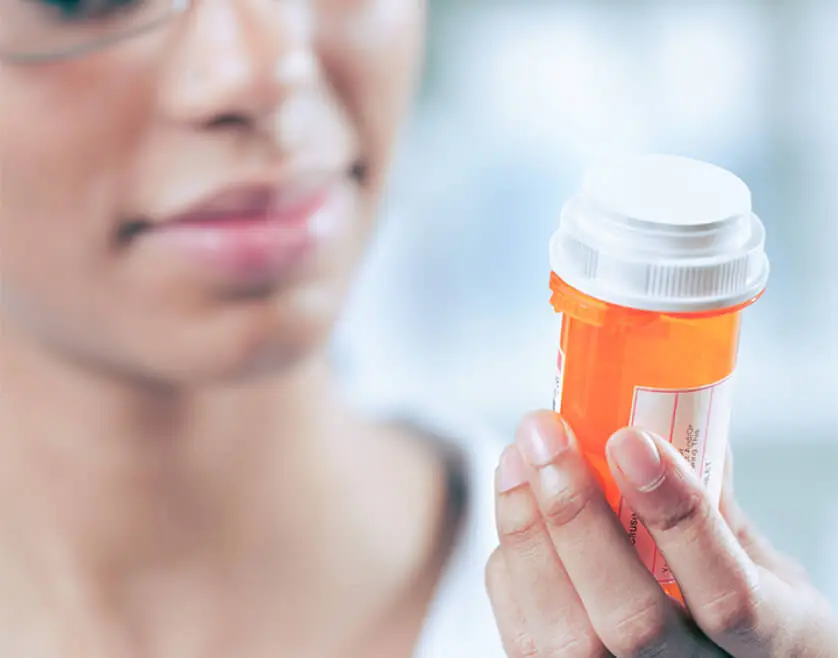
{"type": "Point", "coordinates": [253, 202]}
{"type": "Point", "coordinates": [254, 234]}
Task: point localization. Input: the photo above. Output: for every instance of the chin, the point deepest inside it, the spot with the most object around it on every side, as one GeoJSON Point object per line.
{"type": "Point", "coordinates": [248, 349]}
{"type": "Point", "coordinates": [239, 343]}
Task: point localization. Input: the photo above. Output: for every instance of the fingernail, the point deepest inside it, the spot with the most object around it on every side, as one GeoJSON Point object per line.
{"type": "Point", "coordinates": [511, 473]}
{"type": "Point", "coordinates": [636, 456]}
{"type": "Point", "coordinates": [542, 442]}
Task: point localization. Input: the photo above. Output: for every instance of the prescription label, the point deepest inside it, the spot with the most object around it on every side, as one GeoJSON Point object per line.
{"type": "Point", "coordinates": [696, 422]}
{"type": "Point", "coordinates": [559, 386]}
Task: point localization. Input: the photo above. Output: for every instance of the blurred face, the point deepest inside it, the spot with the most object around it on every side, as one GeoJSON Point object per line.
{"type": "Point", "coordinates": [184, 199]}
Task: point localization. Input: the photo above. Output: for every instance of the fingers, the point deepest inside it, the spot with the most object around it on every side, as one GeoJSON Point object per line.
{"type": "Point", "coordinates": [510, 620]}
{"type": "Point", "coordinates": [627, 609]}
{"type": "Point", "coordinates": [724, 589]}
{"type": "Point", "coordinates": [567, 582]}
{"type": "Point", "coordinates": [530, 572]}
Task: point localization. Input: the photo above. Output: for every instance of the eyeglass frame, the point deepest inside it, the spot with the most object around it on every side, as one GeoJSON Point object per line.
{"type": "Point", "coordinates": [176, 8]}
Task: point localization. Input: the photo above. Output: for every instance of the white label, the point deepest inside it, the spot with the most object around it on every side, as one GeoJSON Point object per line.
{"type": "Point", "coordinates": [557, 391]}
{"type": "Point", "coordinates": [696, 422]}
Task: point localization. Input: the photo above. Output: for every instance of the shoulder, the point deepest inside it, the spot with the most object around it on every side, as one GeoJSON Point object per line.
{"type": "Point", "coordinates": [460, 623]}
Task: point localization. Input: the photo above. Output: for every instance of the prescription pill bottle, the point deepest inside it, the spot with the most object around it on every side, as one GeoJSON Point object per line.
{"type": "Point", "coordinates": [651, 265]}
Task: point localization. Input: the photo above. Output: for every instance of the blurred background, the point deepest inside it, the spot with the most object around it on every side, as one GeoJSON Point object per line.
{"type": "Point", "coordinates": [519, 96]}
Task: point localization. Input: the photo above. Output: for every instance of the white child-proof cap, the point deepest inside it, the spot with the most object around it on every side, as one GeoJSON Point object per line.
{"type": "Point", "coordinates": [662, 233]}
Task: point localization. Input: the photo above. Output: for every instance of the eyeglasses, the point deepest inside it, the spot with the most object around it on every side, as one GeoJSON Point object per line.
{"type": "Point", "coordinates": [33, 31]}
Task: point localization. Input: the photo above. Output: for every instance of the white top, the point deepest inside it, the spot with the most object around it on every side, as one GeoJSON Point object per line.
{"type": "Point", "coordinates": [669, 190]}
{"type": "Point", "coordinates": [661, 233]}
{"type": "Point", "coordinates": [460, 623]}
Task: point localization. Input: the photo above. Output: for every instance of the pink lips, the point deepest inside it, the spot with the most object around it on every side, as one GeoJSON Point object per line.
{"type": "Point", "coordinates": [249, 236]}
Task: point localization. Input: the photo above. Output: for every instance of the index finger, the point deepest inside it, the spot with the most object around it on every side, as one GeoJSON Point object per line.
{"type": "Point", "coordinates": [627, 608]}
{"type": "Point", "coordinates": [725, 591]}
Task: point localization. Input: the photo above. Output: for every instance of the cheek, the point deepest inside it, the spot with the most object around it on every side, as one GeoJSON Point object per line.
{"type": "Point", "coordinates": [66, 134]}
{"type": "Point", "coordinates": [373, 61]}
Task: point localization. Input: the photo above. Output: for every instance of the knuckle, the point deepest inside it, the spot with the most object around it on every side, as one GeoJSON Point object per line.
{"type": "Point", "coordinates": [746, 538]}
{"type": "Point", "coordinates": [694, 510]}
{"type": "Point", "coordinates": [495, 570]}
{"type": "Point", "coordinates": [642, 633]}
{"type": "Point", "coordinates": [562, 507]}
{"type": "Point", "coordinates": [579, 645]}
{"type": "Point", "coordinates": [522, 645]}
{"type": "Point", "coordinates": [520, 530]}
{"type": "Point", "coordinates": [734, 614]}
{"type": "Point", "coordinates": [586, 645]}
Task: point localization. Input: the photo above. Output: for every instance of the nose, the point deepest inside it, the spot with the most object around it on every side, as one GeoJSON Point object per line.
{"type": "Point", "coordinates": [235, 62]}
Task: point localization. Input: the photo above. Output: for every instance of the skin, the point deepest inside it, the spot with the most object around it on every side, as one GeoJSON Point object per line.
{"type": "Point", "coordinates": [197, 486]}
{"type": "Point", "coordinates": [178, 476]}
{"type": "Point", "coordinates": [565, 581]}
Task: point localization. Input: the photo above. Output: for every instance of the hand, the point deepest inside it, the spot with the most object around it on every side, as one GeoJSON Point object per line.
{"type": "Point", "coordinates": [565, 581]}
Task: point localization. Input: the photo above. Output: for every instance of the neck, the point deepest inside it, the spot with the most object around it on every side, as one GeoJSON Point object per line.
{"type": "Point", "coordinates": [103, 483]}
{"type": "Point", "coordinates": [113, 453]}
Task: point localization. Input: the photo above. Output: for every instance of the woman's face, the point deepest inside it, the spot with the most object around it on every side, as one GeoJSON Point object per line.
{"type": "Point", "coordinates": [187, 205]}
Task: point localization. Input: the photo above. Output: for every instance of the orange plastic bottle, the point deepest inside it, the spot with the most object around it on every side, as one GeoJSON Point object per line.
{"type": "Point", "coordinates": [652, 264]}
